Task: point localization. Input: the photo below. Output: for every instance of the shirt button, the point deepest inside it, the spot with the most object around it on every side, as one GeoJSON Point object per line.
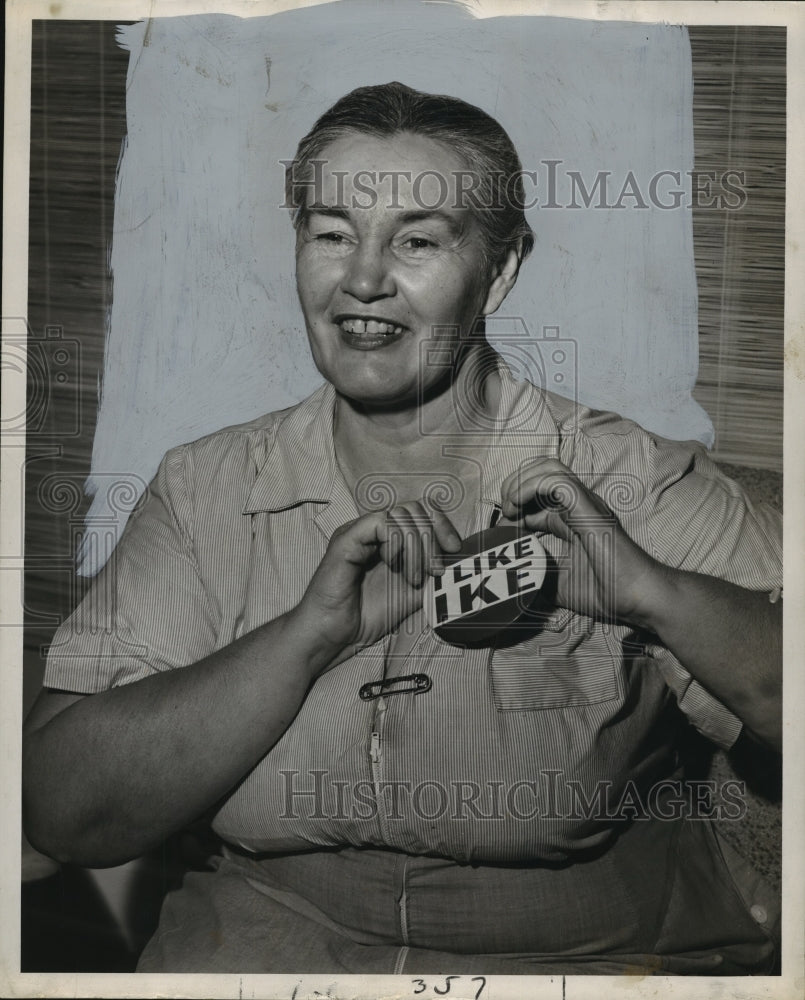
{"type": "Point", "coordinates": [759, 914]}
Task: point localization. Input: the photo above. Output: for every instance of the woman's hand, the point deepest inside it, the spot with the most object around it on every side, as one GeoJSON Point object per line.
{"type": "Point", "coordinates": [602, 573]}
{"type": "Point", "coordinates": [105, 799]}
{"type": "Point", "coordinates": [729, 638]}
{"type": "Point", "coordinates": [372, 575]}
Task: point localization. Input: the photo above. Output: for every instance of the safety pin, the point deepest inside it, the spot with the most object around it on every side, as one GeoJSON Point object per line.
{"type": "Point", "coordinates": [417, 683]}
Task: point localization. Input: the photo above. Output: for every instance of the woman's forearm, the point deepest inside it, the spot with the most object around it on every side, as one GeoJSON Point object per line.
{"type": "Point", "coordinates": [728, 638]}
{"type": "Point", "coordinates": [114, 773]}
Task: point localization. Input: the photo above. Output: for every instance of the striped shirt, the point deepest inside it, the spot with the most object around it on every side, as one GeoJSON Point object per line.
{"type": "Point", "coordinates": [519, 751]}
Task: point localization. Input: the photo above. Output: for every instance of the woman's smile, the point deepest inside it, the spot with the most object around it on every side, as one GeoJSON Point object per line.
{"type": "Point", "coordinates": [369, 333]}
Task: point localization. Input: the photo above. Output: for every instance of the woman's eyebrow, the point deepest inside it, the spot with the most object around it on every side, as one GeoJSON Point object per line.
{"type": "Point", "coordinates": [453, 223]}
{"type": "Point", "coordinates": [329, 211]}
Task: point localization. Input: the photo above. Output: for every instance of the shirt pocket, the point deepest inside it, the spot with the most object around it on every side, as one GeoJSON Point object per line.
{"type": "Point", "coordinates": [567, 662]}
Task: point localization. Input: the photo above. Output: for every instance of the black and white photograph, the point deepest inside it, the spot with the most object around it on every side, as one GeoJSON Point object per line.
{"type": "Point", "coordinates": [399, 404]}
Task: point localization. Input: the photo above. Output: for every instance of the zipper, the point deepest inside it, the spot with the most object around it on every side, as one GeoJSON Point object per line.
{"type": "Point", "coordinates": [376, 761]}
{"type": "Point", "coordinates": [379, 718]}
{"type": "Point", "coordinates": [374, 752]}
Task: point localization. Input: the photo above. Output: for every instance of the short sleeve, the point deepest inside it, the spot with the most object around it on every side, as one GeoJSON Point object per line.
{"type": "Point", "coordinates": [673, 500]}
{"type": "Point", "coordinates": [702, 521]}
{"type": "Point", "coordinates": [699, 520]}
{"type": "Point", "coordinates": [147, 610]}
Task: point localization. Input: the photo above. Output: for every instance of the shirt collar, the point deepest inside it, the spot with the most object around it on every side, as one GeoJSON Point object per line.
{"type": "Point", "coordinates": [301, 465]}
{"type": "Point", "coordinates": [523, 430]}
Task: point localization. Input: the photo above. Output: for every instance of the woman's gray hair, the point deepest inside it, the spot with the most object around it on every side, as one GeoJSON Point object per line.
{"type": "Point", "coordinates": [495, 193]}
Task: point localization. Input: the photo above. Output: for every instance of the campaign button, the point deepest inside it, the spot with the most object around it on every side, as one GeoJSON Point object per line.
{"type": "Point", "coordinates": [486, 586]}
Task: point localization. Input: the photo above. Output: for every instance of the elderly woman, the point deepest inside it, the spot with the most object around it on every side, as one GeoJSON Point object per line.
{"type": "Point", "coordinates": [388, 799]}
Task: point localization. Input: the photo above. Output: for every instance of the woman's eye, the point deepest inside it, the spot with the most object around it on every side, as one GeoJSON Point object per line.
{"type": "Point", "coordinates": [418, 243]}
{"type": "Point", "coordinates": [333, 242]}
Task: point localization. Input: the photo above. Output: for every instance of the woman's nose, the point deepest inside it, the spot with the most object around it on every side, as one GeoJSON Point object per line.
{"type": "Point", "coordinates": [368, 274]}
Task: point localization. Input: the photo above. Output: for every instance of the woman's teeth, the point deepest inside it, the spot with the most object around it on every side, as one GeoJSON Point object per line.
{"type": "Point", "coordinates": [368, 326]}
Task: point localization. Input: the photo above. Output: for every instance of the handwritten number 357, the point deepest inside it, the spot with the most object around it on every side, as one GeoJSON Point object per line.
{"type": "Point", "coordinates": [421, 985]}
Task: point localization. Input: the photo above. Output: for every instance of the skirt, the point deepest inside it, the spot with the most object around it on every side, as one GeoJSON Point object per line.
{"type": "Point", "coordinates": [664, 898]}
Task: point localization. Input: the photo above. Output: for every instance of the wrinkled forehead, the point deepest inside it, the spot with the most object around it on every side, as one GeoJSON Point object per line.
{"type": "Point", "coordinates": [405, 172]}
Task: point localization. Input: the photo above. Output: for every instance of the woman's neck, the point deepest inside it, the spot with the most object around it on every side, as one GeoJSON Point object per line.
{"type": "Point", "coordinates": [407, 438]}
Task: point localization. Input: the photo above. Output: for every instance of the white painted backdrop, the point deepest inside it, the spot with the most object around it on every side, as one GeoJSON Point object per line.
{"type": "Point", "coordinates": [204, 329]}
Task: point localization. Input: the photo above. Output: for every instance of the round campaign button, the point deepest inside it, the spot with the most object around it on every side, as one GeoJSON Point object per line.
{"type": "Point", "coordinates": [487, 585]}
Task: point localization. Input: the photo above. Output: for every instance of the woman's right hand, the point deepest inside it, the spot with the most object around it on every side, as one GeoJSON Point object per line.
{"type": "Point", "coordinates": [372, 576]}
{"type": "Point", "coordinates": [167, 747]}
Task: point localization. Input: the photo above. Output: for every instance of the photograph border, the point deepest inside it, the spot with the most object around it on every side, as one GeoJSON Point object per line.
{"type": "Point", "coordinates": [791, 983]}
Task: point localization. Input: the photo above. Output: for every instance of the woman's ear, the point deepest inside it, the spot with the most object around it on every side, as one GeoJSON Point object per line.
{"type": "Point", "coordinates": [504, 275]}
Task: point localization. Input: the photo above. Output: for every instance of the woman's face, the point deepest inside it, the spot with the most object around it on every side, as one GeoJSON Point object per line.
{"type": "Point", "coordinates": [388, 265]}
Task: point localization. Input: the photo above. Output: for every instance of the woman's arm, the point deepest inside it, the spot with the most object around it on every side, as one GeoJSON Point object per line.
{"type": "Point", "coordinates": [727, 637]}
{"type": "Point", "coordinates": [108, 776]}
{"type": "Point", "coordinates": [112, 774]}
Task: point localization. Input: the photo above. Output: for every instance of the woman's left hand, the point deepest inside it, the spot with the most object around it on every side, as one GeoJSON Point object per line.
{"type": "Point", "coordinates": [729, 638]}
{"type": "Point", "coordinates": [602, 573]}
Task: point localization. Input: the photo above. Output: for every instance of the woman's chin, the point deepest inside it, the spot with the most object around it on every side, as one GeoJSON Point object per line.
{"type": "Point", "coordinates": [377, 395]}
